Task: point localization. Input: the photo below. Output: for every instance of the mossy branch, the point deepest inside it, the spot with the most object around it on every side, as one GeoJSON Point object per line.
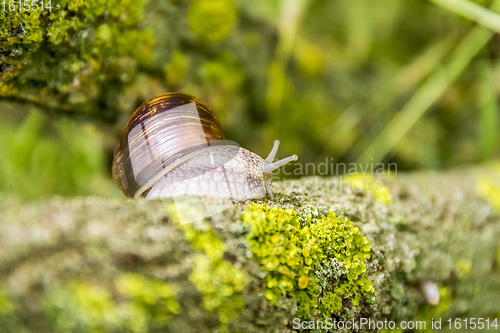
{"type": "Point", "coordinates": [80, 265]}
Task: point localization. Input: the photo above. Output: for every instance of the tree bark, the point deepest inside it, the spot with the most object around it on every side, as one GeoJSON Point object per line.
{"type": "Point", "coordinates": [97, 264]}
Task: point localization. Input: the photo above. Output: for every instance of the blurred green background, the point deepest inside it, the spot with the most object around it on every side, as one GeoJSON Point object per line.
{"type": "Point", "coordinates": [409, 82]}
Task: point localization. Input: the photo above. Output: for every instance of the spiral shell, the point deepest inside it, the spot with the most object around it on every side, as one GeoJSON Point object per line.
{"type": "Point", "coordinates": [160, 131]}
{"type": "Point", "coordinates": [174, 145]}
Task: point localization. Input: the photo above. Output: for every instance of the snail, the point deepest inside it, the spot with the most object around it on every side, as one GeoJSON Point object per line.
{"type": "Point", "coordinates": [174, 145]}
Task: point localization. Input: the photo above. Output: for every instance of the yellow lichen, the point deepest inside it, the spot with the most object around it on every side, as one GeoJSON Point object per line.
{"type": "Point", "coordinates": [303, 280]}
{"type": "Point", "coordinates": [219, 282]}
{"type": "Point", "coordinates": [290, 255]}
{"type": "Point", "coordinates": [90, 307]}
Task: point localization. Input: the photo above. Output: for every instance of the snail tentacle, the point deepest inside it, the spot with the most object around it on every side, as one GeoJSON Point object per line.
{"type": "Point", "coordinates": [273, 152]}
{"type": "Point", "coordinates": [273, 166]}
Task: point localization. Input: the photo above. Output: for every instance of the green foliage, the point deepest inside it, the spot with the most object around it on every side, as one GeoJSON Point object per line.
{"type": "Point", "coordinates": [498, 257]}
{"type": "Point", "coordinates": [292, 256]}
{"type": "Point", "coordinates": [42, 157]}
{"type": "Point", "coordinates": [176, 70]}
{"type": "Point", "coordinates": [327, 78]}
{"type": "Point", "coordinates": [6, 306]}
{"type": "Point", "coordinates": [140, 303]}
{"type": "Point", "coordinates": [219, 79]}
{"type": "Point", "coordinates": [212, 20]}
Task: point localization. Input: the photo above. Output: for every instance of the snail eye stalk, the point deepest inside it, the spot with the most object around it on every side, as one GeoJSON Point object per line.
{"type": "Point", "coordinates": [273, 152]}
{"type": "Point", "coordinates": [273, 166]}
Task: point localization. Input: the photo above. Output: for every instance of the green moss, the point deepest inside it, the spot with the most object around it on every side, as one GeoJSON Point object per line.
{"type": "Point", "coordinates": [139, 303]}
{"type": "Point", "coordinates": [212, 20]}
{"type": "Point", "coordinates": [62, 58]}
{"type": "Point", "coordinates": [293, 256]}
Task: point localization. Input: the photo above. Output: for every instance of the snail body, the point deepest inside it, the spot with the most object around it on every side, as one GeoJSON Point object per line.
{"type": "Point", "coordinates": [174, 145]}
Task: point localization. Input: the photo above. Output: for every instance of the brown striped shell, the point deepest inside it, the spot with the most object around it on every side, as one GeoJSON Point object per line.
{"type": "Point", "coordinates": [174, 145]}
{"type": "Point", "coordinates": [159, 131]}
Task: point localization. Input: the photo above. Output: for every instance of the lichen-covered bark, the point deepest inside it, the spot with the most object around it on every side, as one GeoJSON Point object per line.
{"type": "Point", "coordinates": [94, 264]}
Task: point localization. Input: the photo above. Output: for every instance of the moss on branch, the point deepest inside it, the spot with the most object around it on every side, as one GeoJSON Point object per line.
{"type": "Point", "coordinates": [93, 264]}
{"type": "Point", "coordinates": [73, 57]}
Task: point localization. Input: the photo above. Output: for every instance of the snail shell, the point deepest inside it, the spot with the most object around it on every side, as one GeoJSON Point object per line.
{"type": "Point", "coordinates": [174, 145]}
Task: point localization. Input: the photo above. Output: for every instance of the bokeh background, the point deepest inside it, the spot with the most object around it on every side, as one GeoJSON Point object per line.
{"type": "Point", "coordinates": [409, 82]}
